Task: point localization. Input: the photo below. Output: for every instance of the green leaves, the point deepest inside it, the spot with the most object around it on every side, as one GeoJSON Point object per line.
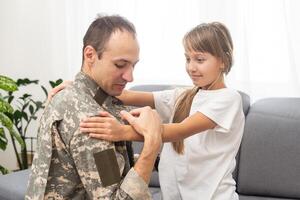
{"type": "Point", "coordinates": [3, 144]}
{"type": "Point", "coordinates": [55, 83]}
{"type": "Point", "coordinates": [17, 111]}
{"type": "Point", "coordinates": [18, 137]}
{"type": "Point", "coordinates": [31, 109]}
{"type": "Point", "coordinates": [5, 107]}
{"type": "Point", "coordinates": [45, 90]}
{"type": "Point", "coordinates": [3, 170]}
{"type": "Point", "coordinates": [26, 81]}
{"type": "Point", "coordinates": [5, 121]}
{"type": "Point", "coordinates": [8, 84]}
{"type": "Point", "coordinates": [3, 139]}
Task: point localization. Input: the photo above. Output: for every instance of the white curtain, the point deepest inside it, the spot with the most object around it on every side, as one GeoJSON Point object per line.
{"type": "Point", "coordinates": [265, 33]}
{"type": "Point", "coordinates": [46, 36]}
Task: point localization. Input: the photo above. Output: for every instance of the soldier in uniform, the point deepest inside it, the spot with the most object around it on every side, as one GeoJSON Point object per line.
{"type": "Point", "coordinates": [71, 165]}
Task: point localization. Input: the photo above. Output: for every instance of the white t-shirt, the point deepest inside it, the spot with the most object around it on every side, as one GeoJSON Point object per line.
{"type": "Point", "coordinates": [205, 169]}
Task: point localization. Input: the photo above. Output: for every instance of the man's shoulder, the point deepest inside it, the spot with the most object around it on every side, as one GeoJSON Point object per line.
{"type": "Point", "coordinates": [74, 100]}
{"type": "Point", "coordinates": [71, 94]}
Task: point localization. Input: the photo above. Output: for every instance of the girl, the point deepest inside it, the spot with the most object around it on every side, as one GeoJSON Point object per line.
{"type": "Point", "coordinates": [205, 126]}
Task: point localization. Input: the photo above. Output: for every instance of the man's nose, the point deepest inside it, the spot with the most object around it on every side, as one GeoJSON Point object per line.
{"type": "Point", "coordinates": [128, 74]}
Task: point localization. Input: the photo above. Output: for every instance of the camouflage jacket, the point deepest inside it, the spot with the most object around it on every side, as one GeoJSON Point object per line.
{"type": "Point", "coordinates": [64, 166]}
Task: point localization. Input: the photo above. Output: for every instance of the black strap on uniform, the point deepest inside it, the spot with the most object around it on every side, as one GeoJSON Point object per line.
{"type": "Point", "coordinates": [128, 144]}
{"type": "Point", "coordinates": [100, 97]}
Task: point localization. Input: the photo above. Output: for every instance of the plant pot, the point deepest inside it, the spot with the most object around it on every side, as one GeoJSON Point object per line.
{"type": "Point", "coordinates": [29, 157]}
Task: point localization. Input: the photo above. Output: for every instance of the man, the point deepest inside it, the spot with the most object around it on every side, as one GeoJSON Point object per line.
{"type": "Point", "coordinates": [69, 164]}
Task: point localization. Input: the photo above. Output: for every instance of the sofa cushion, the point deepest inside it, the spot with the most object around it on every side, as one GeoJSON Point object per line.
{"type": "Point", "coordinates": [269, 163]}
{"type": "Point", "coordinates": [242, 197]}
{"type": "Point", "coordinates": [246, 107]}
{"type": "Point", "coordinates": [156, 193]}
{"type": "Point", "coordinates": [13, 185]}
{"type": "Point", "coordinates": [246, 102]}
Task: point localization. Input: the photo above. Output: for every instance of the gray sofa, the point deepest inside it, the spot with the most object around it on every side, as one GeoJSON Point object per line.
{"type": "Point", "coordinates": [268, 163]}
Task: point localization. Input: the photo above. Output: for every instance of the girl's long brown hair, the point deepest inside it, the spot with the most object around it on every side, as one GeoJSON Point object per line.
{"type": "Point", "coordinates": [213, 38]}
{"type": "Point", "coordinates": [182, 111]}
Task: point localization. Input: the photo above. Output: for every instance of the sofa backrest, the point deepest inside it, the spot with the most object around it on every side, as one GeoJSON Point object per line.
{"type": "Point", "coordinates": [153, 87]}
{"type": "Point", "coordinates": [246, 107]}
{"type": "Point", "coordinates": [269, 162]}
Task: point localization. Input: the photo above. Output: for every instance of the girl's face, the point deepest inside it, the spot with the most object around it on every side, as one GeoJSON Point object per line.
{"type": "Point", "coordinates": [204, 69]}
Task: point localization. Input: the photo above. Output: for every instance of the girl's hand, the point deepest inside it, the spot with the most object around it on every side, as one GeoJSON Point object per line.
{"type": "Point", "coordinates": [145, 121]}
{"type": "Point", "coordinates": [104, 127]}
{"type": "Point", "coordinates": [58, 88]}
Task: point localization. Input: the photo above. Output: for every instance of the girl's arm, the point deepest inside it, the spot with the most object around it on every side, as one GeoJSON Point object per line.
{"type": "Point", "coordinates": [128, 97]}
{"type": "Point", "coordinates": [135, 98]}
{"type": "Point", "coordinates": [176, 131]}
{"type": "Point", "coordinates": [107, 128]}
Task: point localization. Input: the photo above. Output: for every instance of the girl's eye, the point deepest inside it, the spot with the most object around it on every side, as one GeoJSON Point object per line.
{"type": "Point", "coordinates": [200, 60]}
{"type": "Point", "coordinates": [187, 60]}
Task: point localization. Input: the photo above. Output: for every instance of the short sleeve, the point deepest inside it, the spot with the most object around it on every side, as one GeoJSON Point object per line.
{"type": "Point", "coordinates": [165, 102]}
{"type": "Point", "coordinates": [223, 109]}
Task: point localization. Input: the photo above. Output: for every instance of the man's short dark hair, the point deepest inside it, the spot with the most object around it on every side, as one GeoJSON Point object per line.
{"type": "Point", "coordinates": [101, 29]}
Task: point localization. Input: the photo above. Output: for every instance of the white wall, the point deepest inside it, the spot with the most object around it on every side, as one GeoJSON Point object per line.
{"type": "Point", "coordinates": [32, 41]}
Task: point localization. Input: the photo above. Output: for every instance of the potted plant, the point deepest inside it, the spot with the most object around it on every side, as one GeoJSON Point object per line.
{"type": "Point", "coordinates": [25, 111]}
{"type": "Point", "coordinates": [9, 85]}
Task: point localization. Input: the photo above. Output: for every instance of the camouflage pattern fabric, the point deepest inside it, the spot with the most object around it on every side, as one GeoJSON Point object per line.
{"type": "Point", "coordinates": [64, 166]}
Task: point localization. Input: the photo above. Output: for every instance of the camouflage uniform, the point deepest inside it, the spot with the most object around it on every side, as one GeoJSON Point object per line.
{"type": "Point", "coordinates": [64, 166]}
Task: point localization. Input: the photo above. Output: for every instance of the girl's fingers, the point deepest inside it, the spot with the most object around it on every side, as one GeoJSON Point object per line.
{"type": "Point", "coordinates": [92, 125]}
{"type": "Point", "coordinates": [93, 130]}
{"type": "Point", "coordinates": [105, 114]}
{"type": "Point", "coordinates": [124, 114]}
{"type": "Point", "coordinates": [102, 137]}
{"type": "Point", "coordinates": [128, 117]}
{"type": "Point", "coordinates": [58, 88]}
{"type": "Point", "coordinates": [104, 117]}
{"type": "Point", "coordinates": [95, 119]}
{"type": "Point", "coordinates": [135, 112]}
{"type": "Point", "coordinates": [97, 136]}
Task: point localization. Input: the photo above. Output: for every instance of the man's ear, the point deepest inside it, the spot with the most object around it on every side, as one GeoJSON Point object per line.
{"type": "Point", "coordinates": [89, 54]}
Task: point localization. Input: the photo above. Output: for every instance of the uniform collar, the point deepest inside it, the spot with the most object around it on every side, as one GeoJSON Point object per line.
{"type": "Point", "coordinates": [90, 86]}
